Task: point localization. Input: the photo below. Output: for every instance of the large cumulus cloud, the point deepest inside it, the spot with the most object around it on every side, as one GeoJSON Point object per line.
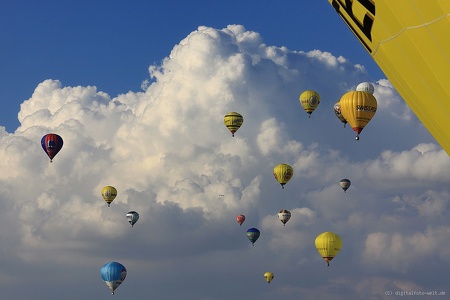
{"type": "Point", "coordinates": [168, 153]}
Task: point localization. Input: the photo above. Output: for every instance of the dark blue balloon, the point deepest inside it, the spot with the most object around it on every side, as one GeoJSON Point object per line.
{"type": "Point", "coordinates": [253, 234]}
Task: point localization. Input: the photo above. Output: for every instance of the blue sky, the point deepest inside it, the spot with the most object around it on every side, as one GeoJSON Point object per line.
{"type": "Point", "coordinates": [110, 44]}
{"type": "Point", "coordinates": [138, 92]}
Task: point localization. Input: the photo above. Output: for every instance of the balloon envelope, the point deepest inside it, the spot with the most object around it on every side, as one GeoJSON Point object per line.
{"type": "Point", "coordinates": [309, 100]}
{"type": "Point", "coordinates": [358, 108]}
{"type": "Point", "coordinates": [328, 244]}
{"type": "Point", "coordinates": [338, 113]}
{"type": "Point", "coordinates": [51, 143]}
{"type": "Point", "coordinates": [240, 219]}
{"type": "Point", "coordinates": [253, 235]}
{"type": "Point", "coordinates": [365, 87]}
{"type": "Point", "coordinates": [132, 217]}
{"type": "Point", "coordinates": [268, 276]}
{"type": "Point", "coordinates": [283, 173]}
{"type": "Point", "coordinates": [233, 121]}
{"type": "Point", "coordinates": [109, 193]}
{"type": "Point", "coordinates": [345, 184]}
{"type": "Point", "coordinates": [284, 216]}
{"type": "Point", "coordinates": [113, 274]}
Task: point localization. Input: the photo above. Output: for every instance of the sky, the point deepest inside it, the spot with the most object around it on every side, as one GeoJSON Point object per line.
{"type": "Point", "coordinates": [138, 92]}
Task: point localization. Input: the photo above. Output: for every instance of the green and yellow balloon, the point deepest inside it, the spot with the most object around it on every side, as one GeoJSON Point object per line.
{"type": "Point", "coordinates": [233, 121]}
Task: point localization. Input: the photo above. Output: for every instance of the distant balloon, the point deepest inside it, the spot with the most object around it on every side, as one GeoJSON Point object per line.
{"type": "Point", "coordinates": [268, 276]}
{"type": "Point", "coordinates": [337, 112]}
{"type": "Point", "coordinates": [51, 143]}
{"type": "Point", "coordinates": [113, 273]}
{"type": "Point", "coordinates": [233, 120]}
{"type": "Point", "coordinates": [309, 100]}
{"type": "Point", "coordinates": [284, 216]}
{"type": "Point", "coordinates": [365, 87]}
{"type": "Point", "coordinates": [109, 193]}
{"type": "Point", "coordinates": [240, 219]}
{"type": "Point", "coordinates": [328, 245]}
{"type": "Point", "coordinates": [345, 184]}
{"type": "Point", "coordinates": [358, 108]}
{"type": "Point", "coordinates": [132, 217]}
{"type": "Point", "coordinates": [253, 235]}
{"type": "Point", "coordinates": [283, 173]}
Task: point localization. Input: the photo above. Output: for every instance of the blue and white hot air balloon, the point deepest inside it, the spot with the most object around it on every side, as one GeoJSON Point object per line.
{"type": "Point", "coordinates": [113, 273]}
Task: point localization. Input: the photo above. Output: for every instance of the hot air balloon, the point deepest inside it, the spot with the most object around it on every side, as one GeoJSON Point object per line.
{"type": "Point", "coordinates": [132, 217]}
{"type": "Point", "coordinates": [268, 276]}
{"type": "Point", "coordinates": [51, 143]}
{"type": "Point", "coordinates": [284, 216]}
{"type": "Point", "coordinates": [283, 173]}
{"type": "Point", "coordinates": [365, 87]}
{"type": "Point", "coordinates": [328, 245]}
{"type": "Point", "coordinates": [408, 42]}
{"type": "Point", "coordinates": [345, 184]}
{"type": "Point", "coordinates": [337, 112]}
{"type": "Point", "coordinates": [240, 219]}
{"type": "Point", "coordinates": [253, 235]}
{"type": "Point", "coordinates": [113, 273]}
{"type": "Point", "coordinates": [309, 100]}
{"type": "Point", "coordinates": [358, 108]}
{"type": "Point", "coordinates": [109, 193]}
{"type": "Point", "coordinates": [233, 121]}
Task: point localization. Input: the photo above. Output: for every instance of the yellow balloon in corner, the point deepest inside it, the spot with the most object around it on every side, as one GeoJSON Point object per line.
{"type": "Point", "coordinates": [409, 40]}
{"type": "Point", "coordinates": [283, 173]}
{"type": "Point", "coordinates": [109, 193]}
{"type": "Point", "coordinates": [328, 244]}
{"type": "Point", "coordinates": [233, 121]}
{"type": "Point", "coordinates": [358, 108]}
{"type": "Point", "coordinates": [269, 276]}
{"type": "Point", "coordinates": [309, 100]}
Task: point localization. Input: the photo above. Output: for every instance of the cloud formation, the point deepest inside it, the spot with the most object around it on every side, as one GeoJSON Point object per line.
{"type": "Point", "coordinates": [171, 158]}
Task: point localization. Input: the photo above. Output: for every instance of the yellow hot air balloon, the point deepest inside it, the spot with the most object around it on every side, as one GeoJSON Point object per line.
{"type": "Point", "coordinates": [109, 193]}
{"type": "Point", "coordinates": [268, 276]}
{"type": "Point", "coordinates": [328, 245]}
{"type": "Point", "coordinates": [233, 121]}
{"type": "Point", "coordinates": [283, 173]}
{"type": "Point", "coordinates": [309, 100]}
{"type": "Point", "coordinates": [409, 41]}
{"type": "Point", "coordinates": [358, 108]}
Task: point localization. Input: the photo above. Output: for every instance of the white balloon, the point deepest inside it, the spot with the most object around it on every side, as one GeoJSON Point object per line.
{"type": "Point", "coordinates": [365, 87]}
